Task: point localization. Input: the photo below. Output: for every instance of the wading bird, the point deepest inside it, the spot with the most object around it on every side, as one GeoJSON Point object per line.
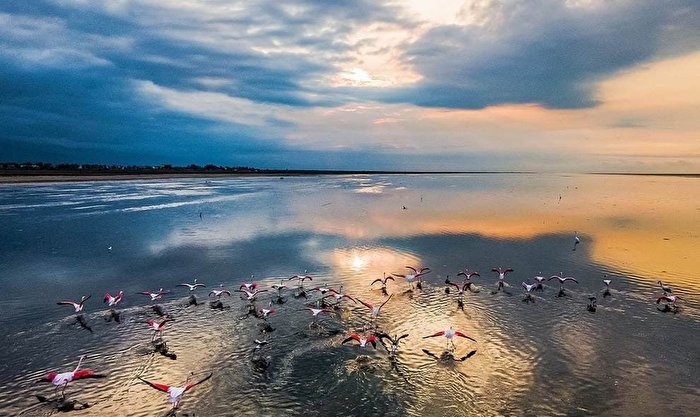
{"type": "Point", "coordinates": [175, 394]}
{"type": "Point", "coordinates": [450, 334]}
{"type": "Point", "coordinates": [154, 295]}
{"type": "Point", "coordinates": [77, 306]}
{"type": "Point", "coordinates": [562, 280]}
{"type": "Point", "coordinates": [113, 300]}
{"type": "Point", "coordinates": [362, 340]}
{"type": "Point", "coordinates": [501, 279]}
{"type": "Point", "coordinates": [192, 286]}
{"type": "Point", "coordinates": [383, 282]}
{"type": "Point", "coordinates": [415, 276]}
{"type": "Point", "coordinates": [375, 310]}
{"type": "Point", "coordinates": [61, 380]}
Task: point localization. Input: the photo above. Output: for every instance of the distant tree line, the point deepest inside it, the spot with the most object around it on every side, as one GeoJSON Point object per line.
{"type": "Point", "coordinates": [20, 168]}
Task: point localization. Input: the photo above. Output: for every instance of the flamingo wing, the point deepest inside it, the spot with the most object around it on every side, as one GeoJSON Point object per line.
{"type": "Point", "coordinates": [440, 333]}
{"type": "Point", "coordinates": [386, 301]}
{"type": "Point", "coordinates": [159, 387]}
{"type": "Point", "coordinates": [376, 281]}
{"type": "Point", "coordinates": [190, 386]}
{"type": "Point", "coordinates": [460, 334]}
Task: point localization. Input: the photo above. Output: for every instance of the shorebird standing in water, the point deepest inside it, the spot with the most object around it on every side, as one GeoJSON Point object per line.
{"type": "Point", "coordinates": [415, 276]}
{"type": "Point", "coordinates": [61, 380]}
{"type": "Point", "coordinates": [192, 286]}
{"type": "Point", "coordinates": [562, 280]}
{"type": "Point", "coordinates": [501, 279]}
{"type": "Point", "coordinates": [383, 282]}
{"type": "Point", "coordinates": [175, 394]}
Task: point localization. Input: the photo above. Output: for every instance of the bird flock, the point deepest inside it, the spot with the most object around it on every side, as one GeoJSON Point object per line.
{"type": "Point", "coordinates": [329, 302]}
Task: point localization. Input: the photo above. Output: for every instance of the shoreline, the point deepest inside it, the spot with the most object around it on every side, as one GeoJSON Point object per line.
{"type": "Point", "coordinates": [60, 178]}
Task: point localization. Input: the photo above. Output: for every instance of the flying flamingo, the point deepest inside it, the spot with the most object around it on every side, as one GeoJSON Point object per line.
{"type": "Point", "coordinates": [339, 296]}
{"type": "Point", "coordinates": [265, 312]}
{"type": "Point", "coordinates": [61, 380]}
{"type": "Point", "coordinates": [460, 291]}
{"type": "Point", "coordinates": [562, 280]}
{"type": "Point", "coordinates": [250, 286]}
{"type": "Point", "coordinates": [77, 306]}
{"type": "Point", "coordinates": [375, 310]}
{"type": "Point", "coordinates": [393, 342]}
{"type": "Point", "coordinates": [300, 286]}
{"type": "Point", "coordinates": [279, 287]}
{"type": "Point", "coordinates": [450, 334]}
{"type": "Point", "coordinates": [362, 340]}
{"type": "Point", "coordinates": [383, 282]}
{"type": "Point", "coordinates": [157, 328]}
{"type": "Point", "coordinates": [576, 240]}
{"type": "Point", "coordinates": [221, 291]}
{"type": "Point", "coordinates": [175, 394]}
{"type": "Point", "coordinates": [415, 276]}
{"type": "Point", "coordinates": [606, 290]}
{"type": "Point", "coordinates": [323, 290]}
{"type": "Point", "coordinates": [467, 274]}
{"type": "Point", "coordinates": [192, 286]}
{"type": "Point", "coordinates": [250, 296]}
{"type": "Point", "coordinates": [539, 284]}
{"type": "Point", "coordinates": [528, 290]}
{"type": "Point", "coordinates": [113, 300]}
{"type": "Point", "coordinates": [501, 279]}
{"type": "Point", "coordinates": [154, 295]}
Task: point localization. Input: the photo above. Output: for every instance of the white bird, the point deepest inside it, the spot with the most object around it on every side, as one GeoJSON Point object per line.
{"type": "Point", "coordinates": [250, 296]}
{"type": "Point", "coordinates": [77, 306]}
{"type": "Point", "coordinates": [113, 300]}
{"type": "Point", "coordinates": [192, 286]}
{"type": "Point", "coordinates": [175, 394]}
{"type": "Point", "coordinates": [154, 295]}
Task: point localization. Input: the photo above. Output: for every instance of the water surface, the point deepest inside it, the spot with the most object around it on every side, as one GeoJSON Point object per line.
{"type": "Point", "coordinates": [548, 358]}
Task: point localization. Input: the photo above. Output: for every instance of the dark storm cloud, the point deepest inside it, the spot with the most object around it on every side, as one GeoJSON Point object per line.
{"type": "Point", "coordinates": [544, 51]}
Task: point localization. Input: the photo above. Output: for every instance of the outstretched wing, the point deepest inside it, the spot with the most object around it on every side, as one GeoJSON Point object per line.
{"type": "Point", "coordinates": [468, 355]}
{"type": "Point", "coordinates": [159, 387]}
{"type": "Point", "coordinates": [190, 386]}
{"type": "Point", "coordinates": [365, 304]}
{"type": "Point", "coordinates": [386, 301]}
{"type": "Point", "coordinates": [441, 333]}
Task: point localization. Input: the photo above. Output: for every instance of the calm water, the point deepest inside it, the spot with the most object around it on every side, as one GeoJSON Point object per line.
{"type": "Point", "coordinates": [548, 358]}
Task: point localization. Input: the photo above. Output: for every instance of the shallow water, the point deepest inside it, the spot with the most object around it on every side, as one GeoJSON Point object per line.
{"type": "Point", "coordinates": [552, 357]}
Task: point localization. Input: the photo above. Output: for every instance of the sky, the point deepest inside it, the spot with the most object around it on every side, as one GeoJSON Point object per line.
{"type": "Point", "coordinates": [441, 85]}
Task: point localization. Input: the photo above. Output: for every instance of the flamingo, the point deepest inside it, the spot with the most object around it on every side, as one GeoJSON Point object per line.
{"type": "Point", "coordinates": [154, 295]}
{"type": "Point", "coordinates": [175, 394]}
{"type": "Point", "coordinates": [450, 334]}
{"type": "Point", "coordinates": [415, 276]}
{"type": "Point", "coordinates": [383, 282]}
{"type": "Point", "coordinates": [279, 287]}
{"type": "Point", "coordinates": [316, 311]}
{"type": "Point", "coordinates": [301, 278]}
{"type": "Point", "coordinates": [375, 310]}
{"type": "Point", "coordinates": [339, 296]}
{"type": "Point", "coordinates": [393, 342]}
{"type": "Point", "coordinates": [528, 289]}
{"type": "Point", "coordinates": [539, 285]}
{"type": "Point", "coordinates": [562, 280]}
{"type": "Point", "coordinates": [77, 306]}
{"type": "Point", "coordinates": [669, 299]}
{"type": "Point", "coordinates": [113, 300]}
{"type": "Point", "coordinates": [501, 278]}
{"type": "Point", "coordinates": [606, 290]}
{"type": "Point", "coordinates": [221, 291]}
{"type": "Point", "coordinates": [265, 312]}
{"type": "Point", "coordinates": [250, 296]}
{"type": "Point", "coordinates": [362, 340]}
{"type": "Point", "coordinates": [460, 291]}
{"type": "Point", "coordinates": [322, 290]}
{"type": "Point", "coordinates": [576, 240]}
{"type": "Point", "coordinates": [665, 288]}
{"type": "Point", "coordinates": [157, 328]}
{"type": "Point", "coordinates": [250, 286]}
{"type": "Point", "coordinates": [192, 286]}
{"type": "Point", "coordinates": [467, 283]}
{"type": "Point", "coordinates": [62, 379]}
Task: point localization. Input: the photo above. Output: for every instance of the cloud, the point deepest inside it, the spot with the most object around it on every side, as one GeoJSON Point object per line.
{"type": "Point", "coordinates": [545, 52]}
